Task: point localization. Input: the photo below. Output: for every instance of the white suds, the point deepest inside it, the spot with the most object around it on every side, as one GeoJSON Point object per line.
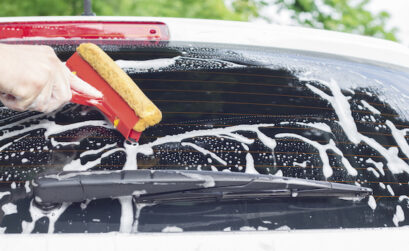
{"type": "Point", "coordinates": [2, 194]}
{"type": "Point", "coordinates": [343, 110]}
{"type": "Point", "coordinates": [145, 65]}
{"type": "Point", "coordinates": [399, 136]}
{"type": "Point", "coordinates": [76, 165]}
{"type": "Point", "coordinates": [283, 228]}
{"type": "Point", "coordinates": [85, 204]}
{"type": "Point", "coordinates": [320, 126]}
{"type": "Point", "coordinates": [260, 228]}
{"type": "Point", "coordinates": [132, 150]}
{"type": "Point", "coordinates": [208, 181]}
{"type": "Point", "coordinates": [245, 147]}
{"type": "Point", "coordinates": [139, 207]}
{"type": "Point", "coordinates": [267, 141]}
{"type": "Point", "coordinates": [220, 132]}
{"type": "Point", "coordinates": [36, 214]}
{"type": "Point", "coordinates": [399, 216]}
{"type": "Point", "coordinates": [250, 164]}
{"type": "Point", "coordinates": [350, 90]}
{"type": "Point", "coordinates": [279, 173]}
{"type": "Point", "coordinates": [372, 202]}
{"type": "Point", "coordinates": [322, 150]}
{"type": "Point", "coordinates": [127, 214]}
{"type": "Point", "coordinates": [27, 186]}
{"type": "Point", "coordinates": [378, 165]}
{"type": "Point", "coordinates": [97, 151]}
{"type": "Point", "coordinates": [341, 106]}
{"type": "Point", "coordinates": [247, 228]}
{"type": "Point", "coordinates": [370, 107]}
{"type": "Point", "coordinates": [53, 128]}
{"type": "Point", "coordinates": [303, 164]}
{"type": "Point", "coordinates": [56, 143]}
{"type": "Point", "coordinates": [373, 171]}
{"type": "Point", "coordinates": [138, 193]}
{"type": "Point", "coordinates": [172, 229]}
{"type": "Point", "coordinates": [390, 190]}
{"type": "Point", "coordinates": [403, 197]}
{"type": "Point", "coordinates": [9, 208]}
{"type": "Point", "coordinates": [205, 152]}
{"type": "Point", "coordinates": [351, 198]}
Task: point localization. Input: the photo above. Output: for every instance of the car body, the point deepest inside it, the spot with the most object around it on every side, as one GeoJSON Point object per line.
{"type": "Point", "coordinates": [334, 102]}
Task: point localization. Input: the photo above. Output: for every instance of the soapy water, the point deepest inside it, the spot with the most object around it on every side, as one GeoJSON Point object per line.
{"type": "Point", "coordinates": [132, 150]}
{"type": "Point", "coordinates": [128, 221]}
{"type": "Point", "coordinates": [240, 138]}
{"type": "Point", "coordinates": [51, 128]}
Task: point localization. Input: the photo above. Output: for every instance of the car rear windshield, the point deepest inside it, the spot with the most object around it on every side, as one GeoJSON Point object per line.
{"type": "Point", "coordinates": [230, 109]}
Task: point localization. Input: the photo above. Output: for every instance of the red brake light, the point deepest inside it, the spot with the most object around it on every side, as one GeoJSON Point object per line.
{"type": "Point", "coordinates": [144, 31]}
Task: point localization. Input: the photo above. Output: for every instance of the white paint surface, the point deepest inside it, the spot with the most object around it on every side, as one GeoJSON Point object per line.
{"type": "Point", "coordinates": [286, 37]}
{"type": "Point", "coordinates": [353, 239]}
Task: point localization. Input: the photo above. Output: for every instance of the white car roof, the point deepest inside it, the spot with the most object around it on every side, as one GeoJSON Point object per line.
{"type": "Point", "coordinates": [240, 33]}
{"type": "Point", "coordinates": [270, 35]}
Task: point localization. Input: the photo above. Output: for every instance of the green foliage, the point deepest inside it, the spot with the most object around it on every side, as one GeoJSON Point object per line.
{"type": "Point", "coordinates": [40, 7]}
{"type": "Point", "coordinates": [340, 15]}
{"type": "Point", "coordinates": [209, 9]}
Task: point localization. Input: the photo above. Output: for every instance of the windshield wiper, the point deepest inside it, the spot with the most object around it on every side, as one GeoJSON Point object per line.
{"type": "Point", "coordinates": [173, 185]}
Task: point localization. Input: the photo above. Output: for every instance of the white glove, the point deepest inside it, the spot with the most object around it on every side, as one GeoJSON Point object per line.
{"type": "Point", "coordinates": [33, 78]}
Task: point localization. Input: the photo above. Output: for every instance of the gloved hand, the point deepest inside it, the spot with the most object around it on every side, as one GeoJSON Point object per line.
{"type": "Point", "coordinates": [33, 78]}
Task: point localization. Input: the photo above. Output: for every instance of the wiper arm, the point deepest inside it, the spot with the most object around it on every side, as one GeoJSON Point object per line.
{"type": "Point", "coordinates": [173, 185]}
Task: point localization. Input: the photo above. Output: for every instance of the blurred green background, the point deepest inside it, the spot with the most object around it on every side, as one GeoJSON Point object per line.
{"type": "Point", "coordinates": [340, 15]}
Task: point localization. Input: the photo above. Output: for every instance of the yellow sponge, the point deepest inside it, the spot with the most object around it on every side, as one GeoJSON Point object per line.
{"type": "Point", "coordinates": [146, 110]}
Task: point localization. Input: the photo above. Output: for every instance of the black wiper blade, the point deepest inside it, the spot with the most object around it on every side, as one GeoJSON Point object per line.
{"type": "Point", "coordinates": [179, 185]}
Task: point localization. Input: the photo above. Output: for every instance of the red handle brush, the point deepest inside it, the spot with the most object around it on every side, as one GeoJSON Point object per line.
{"type": "Point", "coordinates": [112, 105]}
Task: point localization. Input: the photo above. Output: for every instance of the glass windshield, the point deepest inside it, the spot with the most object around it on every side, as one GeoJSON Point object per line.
{"type": "Point", "coordinates": [231, 109]}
